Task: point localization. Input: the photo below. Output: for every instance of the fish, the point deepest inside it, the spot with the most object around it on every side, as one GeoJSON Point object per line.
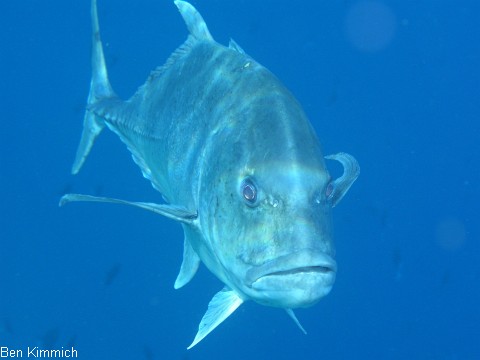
{"type": "Point", "coordinates": [6, 326]}
{"type": "Point", "coordinates": [111, 274]}
{"type": "Point", "coordinates": [238, 165]}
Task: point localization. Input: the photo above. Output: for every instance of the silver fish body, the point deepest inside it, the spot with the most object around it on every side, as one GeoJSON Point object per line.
{"type": "Point", "coordinates": [238, 164]}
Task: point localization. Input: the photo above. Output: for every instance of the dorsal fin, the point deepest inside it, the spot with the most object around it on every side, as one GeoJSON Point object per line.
{"type": "Point", "coordinates": [195, 23]}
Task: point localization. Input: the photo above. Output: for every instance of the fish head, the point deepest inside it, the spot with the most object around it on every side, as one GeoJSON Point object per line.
{"type": "Point", "coordinates": [271, 231]}
{"type": "Point", "coordinates": [287, 253]}
{"type": "Point", "coordinates": [267, 198]}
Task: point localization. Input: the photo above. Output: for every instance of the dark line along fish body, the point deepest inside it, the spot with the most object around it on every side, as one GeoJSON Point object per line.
{"type": "Point", "coordinates": [239, 165]}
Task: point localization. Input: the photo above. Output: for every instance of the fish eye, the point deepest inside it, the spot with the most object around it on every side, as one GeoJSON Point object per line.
{"type": "Point", "coordinates": [249, 191]}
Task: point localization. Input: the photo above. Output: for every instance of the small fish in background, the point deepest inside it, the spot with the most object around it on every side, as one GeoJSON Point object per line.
{"type": "Point", "coordinates": [384, 218]}
{"type": "Point", "coordinates": [147, 351]}
{"type": "Point", "coordinates": [379, 213]}
{"type": "Point", "coordinates": [6, 326]}
{"type": "Point", "coordinates": [445, 278]}
{"type": "Point", "coordinates": [98, 190]}
{"type": "Point", "coordinates": [67, 188]}
{"type": "Point", "coordinates": [71, 342]}
{"type": "Point", "coordinates": [332, 97]}
{"type": "Point", "coordinates": [49, 340]}
{"type": "Point", "coordinates": [240, 168]}
{"type": "Point", "coordinates": [397, 264]}
{"type": "Point", "coordinates": [112, 274]}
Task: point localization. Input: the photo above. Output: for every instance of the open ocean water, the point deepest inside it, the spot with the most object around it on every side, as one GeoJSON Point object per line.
{"type": "Point", "coordinates": [394, 83]}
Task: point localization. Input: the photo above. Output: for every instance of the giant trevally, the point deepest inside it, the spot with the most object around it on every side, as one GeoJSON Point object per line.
{"type": "Point", "coordinates": [238, 164]}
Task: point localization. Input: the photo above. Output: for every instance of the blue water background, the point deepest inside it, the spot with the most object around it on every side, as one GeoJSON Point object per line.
{"type": "Point", "coordinates": [395, 83]}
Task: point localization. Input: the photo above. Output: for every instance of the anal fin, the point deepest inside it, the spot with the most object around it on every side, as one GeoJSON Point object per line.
{"type": "Point", "coordinates": [294, 318]}
{"type": "Point", "coordinates": [222, 305]}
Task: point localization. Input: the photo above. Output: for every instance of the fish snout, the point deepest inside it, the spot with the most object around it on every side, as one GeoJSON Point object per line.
{"type": "Point", "coordinates": [295, 280]}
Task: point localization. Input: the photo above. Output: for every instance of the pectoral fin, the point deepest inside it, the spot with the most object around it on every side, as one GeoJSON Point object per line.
{"type": "Point", "coordinates": [351, 170]}
{"type": "Point", "coordinates": [222, 305]}
{"type": "Point", "coordinates": [174, 212]}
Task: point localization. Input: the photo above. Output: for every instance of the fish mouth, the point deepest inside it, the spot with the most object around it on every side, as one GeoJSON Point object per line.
{"type": "Point", "coordinates": [302, 270]}
{"type": "Point", "coordinates": [300, 263]}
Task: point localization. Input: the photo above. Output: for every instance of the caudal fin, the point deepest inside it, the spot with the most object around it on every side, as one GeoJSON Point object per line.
{"type": "Point", "coordinates": [99, 89]}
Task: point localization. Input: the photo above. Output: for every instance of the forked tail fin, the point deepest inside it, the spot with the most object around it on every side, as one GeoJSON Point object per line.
{"type": "Point", "coordinates": [99, 89]}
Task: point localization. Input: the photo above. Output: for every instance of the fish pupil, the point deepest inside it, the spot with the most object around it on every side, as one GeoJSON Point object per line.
{"type": "Point", "coordinates": [249, 191]}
